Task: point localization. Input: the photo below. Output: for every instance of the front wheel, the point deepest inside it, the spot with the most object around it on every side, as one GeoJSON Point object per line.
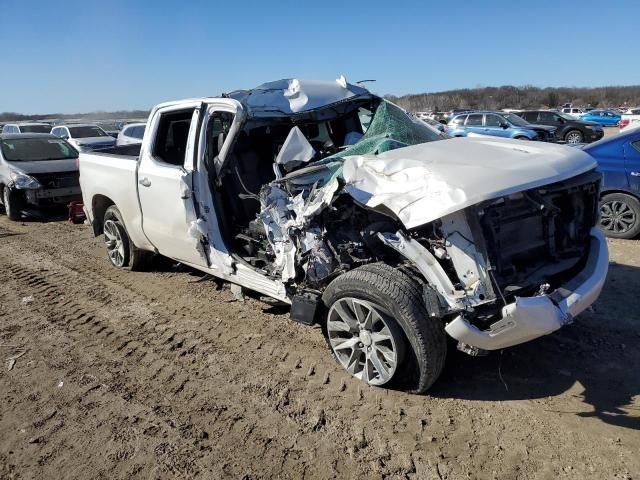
{"type": "Point", "coordinates": [379, 330]}
{"type": "Point", "coordinates": [11, 203]}
{"type": "Point", "coordinates": [522, 137]}
{"type": "Point", "coordinates": [574, 136]}
{"type": "Point", "coordinates": [620, 215]}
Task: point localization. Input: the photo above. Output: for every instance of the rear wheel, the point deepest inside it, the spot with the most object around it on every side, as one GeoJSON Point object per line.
{"type": "Point", "coordinates": [120, 249]}
{"type": "Point", "coordinates": [574, 136]}
{"type": "Point", "coordinates": [620, 215]}
{"type": "Point", "coordinates": [522, 137]}
{"type": "Point", "coordinates": [11, 202]}
{"type": "Point", "coordinates": [379, 330]}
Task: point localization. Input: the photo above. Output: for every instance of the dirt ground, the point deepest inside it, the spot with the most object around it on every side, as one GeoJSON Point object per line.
{"type": "Point", "coordinates": [114, 374]}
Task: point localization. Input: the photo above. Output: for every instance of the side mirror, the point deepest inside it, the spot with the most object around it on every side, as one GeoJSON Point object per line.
{"type": "Point", "coordinates": [504, 125]}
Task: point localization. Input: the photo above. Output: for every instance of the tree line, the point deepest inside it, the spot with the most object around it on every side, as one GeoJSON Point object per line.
{"type": "Point", "coordinates": [508, 96]}
{"type": "Point", "coordinates": [118, 115]}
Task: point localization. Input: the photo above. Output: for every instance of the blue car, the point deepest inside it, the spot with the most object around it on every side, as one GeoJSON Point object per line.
{"type": "Point", "coordinates": [498, 124]}
{"type": "Point", "coordinates": [618, 159]}
{"type": "Point", "coordinates": [606, 118]}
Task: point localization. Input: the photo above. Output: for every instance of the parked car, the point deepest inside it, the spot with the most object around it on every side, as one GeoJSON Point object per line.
{"type": "Point", "coordinates": [37, 171]}
{"type": "Point", "coordinates": [630, 119]}
{"type": "Point", "coordinates": [441, 127]}
{"type": "Point", "coordinates": [110, 128]}
{"type": "Point", "coordinates": [84, 136]}
{"type": "Point", "coordinates": [498, 124]}
{"type": "Point", "coordinates": [131, 134]}
{"type": "Point", "coordinates": [26, 127]}
{"type": "Point", "coordinates": [606, 118]}
{"type": "Point", "coordinates": [568, 129]}
{"type": "Point", "coordinates": [573, 112]}
{"type": "Point", "coordinates": [618, 159]}
{"type": "Point", "coordinates": [367, 221]}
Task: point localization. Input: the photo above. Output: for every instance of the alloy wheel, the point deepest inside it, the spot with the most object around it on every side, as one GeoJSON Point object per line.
{"type": "Point", "coordinates": [362, 340]}
{"type": "Point", "coordinates": [113, 242]}
{"type": "Point", "coordinates": [616, 216]}
{"type": "Point", "coordinates": [574, 137]}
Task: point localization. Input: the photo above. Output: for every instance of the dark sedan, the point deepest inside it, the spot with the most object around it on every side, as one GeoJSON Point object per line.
{"type": "Point", "coordinates": [37, 171]}
{"type": "Point", "coordinates": [568, 129]}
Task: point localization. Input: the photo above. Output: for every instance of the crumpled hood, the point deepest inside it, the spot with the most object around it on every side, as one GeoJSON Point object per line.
{"type": "Point", "coordinates": [424, 182]}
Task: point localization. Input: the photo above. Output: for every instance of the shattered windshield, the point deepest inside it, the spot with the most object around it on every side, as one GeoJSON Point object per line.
{"type": "Point", "coordinates": [387, 129]}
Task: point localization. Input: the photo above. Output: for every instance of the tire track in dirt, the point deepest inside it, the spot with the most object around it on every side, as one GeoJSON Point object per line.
{"type": "Point", "coordinates": [82, 322]}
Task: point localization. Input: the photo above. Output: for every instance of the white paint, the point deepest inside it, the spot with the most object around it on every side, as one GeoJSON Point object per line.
{"type": "Point", "coordinates": [425, 182]}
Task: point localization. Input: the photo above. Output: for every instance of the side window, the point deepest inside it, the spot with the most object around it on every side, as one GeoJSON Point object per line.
{"type": "Point", "coordinates": [636, 145]}
{"type": "Point", "coordinates": [136, 132]}
{"type": "Point", "coordinates": [219, 126]}
{"type": "Point", "coordinates": [459, 120]}
{"type": "Point", "coordinates": [171, 140]}
{"type": "Point", "coordinates": [474, 120]}
{"type": "Point", "coordinates": [492, 121]}
{"type": "Point", "coordinates": [548, 117]}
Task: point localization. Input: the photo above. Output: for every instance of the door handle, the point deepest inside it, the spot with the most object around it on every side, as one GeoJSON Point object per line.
{"type": "Point", "coordinates": [145, 182]}
{"type": "Point", "coordinates": [635, 174]}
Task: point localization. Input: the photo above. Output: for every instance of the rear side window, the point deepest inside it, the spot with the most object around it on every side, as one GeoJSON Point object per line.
{"type": "Point", "coordinates": [171, 140]}
{"type": "Point", "coordinates": [636, 145]}
{"type": "Point", "coordinates": [474, 120]}
{"type": "Point", "coordinates": [137, 132]}
{"type": "Point", "coordinates": [547, 117]}
{"type": "Point", "coordinates": [531, 117]}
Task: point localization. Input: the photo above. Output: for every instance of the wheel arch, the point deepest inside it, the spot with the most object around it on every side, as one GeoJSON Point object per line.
{"type": "Point", "coordinates": [99, 205]}
{"type": "Point", "coordinates": [619, 190]}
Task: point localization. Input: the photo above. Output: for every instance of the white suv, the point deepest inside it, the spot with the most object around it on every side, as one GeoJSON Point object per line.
{"type": "Point", "coordinates": [131, 134]}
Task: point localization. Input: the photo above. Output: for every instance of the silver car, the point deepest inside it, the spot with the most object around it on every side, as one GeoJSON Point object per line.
{"type": "Point", "coordinates": [85, 137]}
{"type": "Point", "coordinates": [37, 171]}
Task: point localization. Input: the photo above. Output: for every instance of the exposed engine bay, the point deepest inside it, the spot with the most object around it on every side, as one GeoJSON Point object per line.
{"type": "Point", "coordinates": [289, 214]}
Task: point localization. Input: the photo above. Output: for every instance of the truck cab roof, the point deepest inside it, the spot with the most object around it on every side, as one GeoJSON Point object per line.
{"type": "Point", "coordinates": [289, 96]}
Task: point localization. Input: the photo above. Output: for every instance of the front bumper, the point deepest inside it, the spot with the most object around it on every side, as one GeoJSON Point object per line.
{"type": "Point", "coordinates": [52, 196]}
{"type": "Point", "coordinates": [532, 317]}
{"type": "Point", "coordinates": [593, 135]}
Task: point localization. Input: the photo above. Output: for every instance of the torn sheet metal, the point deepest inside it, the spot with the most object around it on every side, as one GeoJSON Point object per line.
{"type": "Point", "coordinates": [422, 183]}
{"type": "Point", "coordinates": [286, 219]}
{"type": "Point", "coordinates": [292, 95]}
{"type": "Point", "coordinates": [296, 149]}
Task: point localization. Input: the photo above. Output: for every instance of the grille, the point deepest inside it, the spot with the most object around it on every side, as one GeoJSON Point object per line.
{"type": "Point", "coordinates": [533, 236]}
{"type": "Point", "coordinates": [58, 180]}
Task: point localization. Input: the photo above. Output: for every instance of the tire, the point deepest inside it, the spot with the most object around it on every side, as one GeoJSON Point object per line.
{"type": "Point", "coordinates": [121, 251]}
{"type": "Point", "coordinates": [574, 136]}
{"type": "Point", "coordinates": [414, 355]}
{"type": "Point", "coordinates": [11, 203]}
{"type": "Point", "coordinates": [521, 137]}
{"type": "Point", "coordinates": [620, 215]}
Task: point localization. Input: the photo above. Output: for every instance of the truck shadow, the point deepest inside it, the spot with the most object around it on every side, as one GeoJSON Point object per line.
{"type": "Point", "coordinates": [597, 358]}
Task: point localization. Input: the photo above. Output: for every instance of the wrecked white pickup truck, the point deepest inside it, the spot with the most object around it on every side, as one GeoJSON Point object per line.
{"type": "Point", "coordinates": [368, 222]}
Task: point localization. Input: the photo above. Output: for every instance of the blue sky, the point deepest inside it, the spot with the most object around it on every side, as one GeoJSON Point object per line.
{"type": "Point", "coordinates": [78, 56]}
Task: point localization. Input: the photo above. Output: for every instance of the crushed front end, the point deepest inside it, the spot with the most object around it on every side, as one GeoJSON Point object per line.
{"type": "Point", "coordinates": [520, 266]}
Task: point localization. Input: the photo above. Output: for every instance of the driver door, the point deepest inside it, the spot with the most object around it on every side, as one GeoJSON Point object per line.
{"type": "Point", "coordinates": [165, 176]}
